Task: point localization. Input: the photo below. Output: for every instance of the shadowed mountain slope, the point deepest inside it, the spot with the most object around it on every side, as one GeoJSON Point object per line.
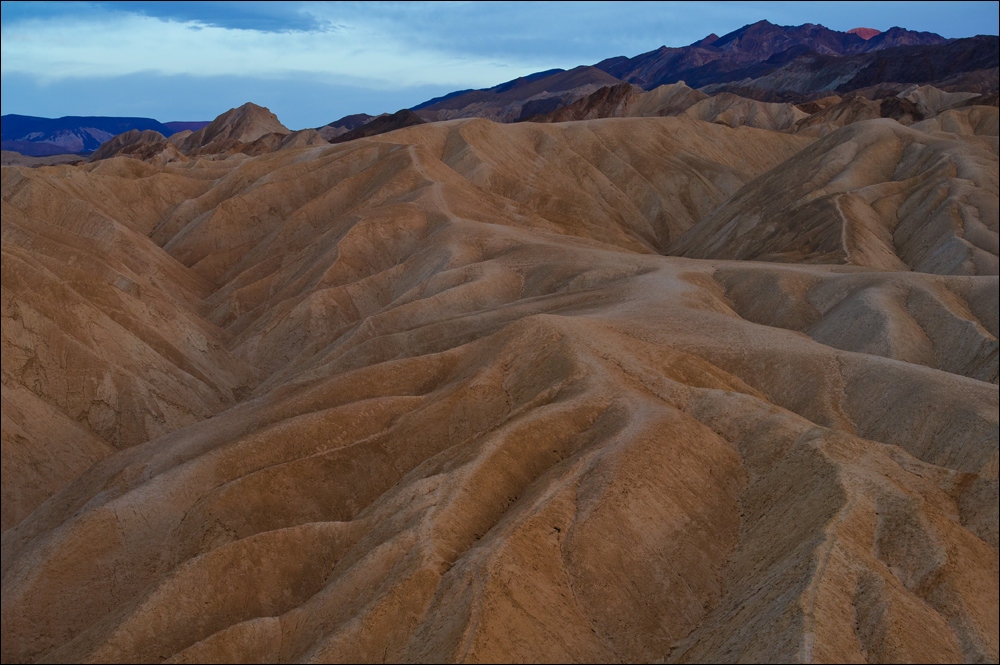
{"type": "Point", "coordinates": [796, 73]}
{"type": "Point", "coordinates": [438, 395]}
{"type": "Point", "coordinates": [381, 125]}
{"type": "Point", "coordinates": [344, 125]}
{"type": "Point", "coordinates": [520, 98]}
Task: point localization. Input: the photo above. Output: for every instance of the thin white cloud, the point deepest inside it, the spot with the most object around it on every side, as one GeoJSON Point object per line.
{"type": "Point", "coordinates": [119, 45]}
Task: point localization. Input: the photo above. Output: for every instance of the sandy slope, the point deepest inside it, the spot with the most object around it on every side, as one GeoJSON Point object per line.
{"type": "Point", "coordinates": [440, 395]}
{"type": "Point", "coordinates": [872, 193]}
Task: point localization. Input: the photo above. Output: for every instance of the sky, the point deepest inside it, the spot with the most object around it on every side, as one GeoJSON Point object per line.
{"type": "Point", "coordinates": [314, 62]}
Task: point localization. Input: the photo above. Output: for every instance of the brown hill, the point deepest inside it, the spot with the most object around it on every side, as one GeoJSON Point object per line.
{"type": "Point", "coordinates": [930, 100]}
{"type": "Point", "coordinates": [624, 101]}
{"type": "Point", "coordinates": [735, 111]}
{"type": "Point", "coordinates": [438, 395]}
{"type": "Point", "coordinates": [301, 139]}
{"type": "Point", "coordinates": [843, 112]}
{"type": "Point", "coordinates": [817, 105]}
{"type": "Point", "coordinates": [905, 104]}
{"type": "Point", "coordinates": [967, 121]}
{"type": "Point", "coordinates": [245, 124]}
{"type": "Point", "coordinates": [144, 142]}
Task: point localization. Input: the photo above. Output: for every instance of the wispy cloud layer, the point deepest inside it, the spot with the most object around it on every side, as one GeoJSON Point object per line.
{"type": "Point", "coordinates": [121, 44]}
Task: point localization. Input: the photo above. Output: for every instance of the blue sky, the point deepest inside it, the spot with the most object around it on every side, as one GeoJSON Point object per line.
{"type": "Point", "coordinates": [312, 63]}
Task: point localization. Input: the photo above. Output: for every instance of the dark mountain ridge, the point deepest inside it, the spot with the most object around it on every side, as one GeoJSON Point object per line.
{"type": "Point", "coordinates": [381, 125]}
{"type": "Point", "coordinates": [750, 45]}
{"type": "Point", "coordinates": [763, 39]}
{"type": "Point", "coordinates": [923, 63]}
{"type": "Point", "coordinates": [553, 80]}
{"type": "Point", "coordinates": [799, 74]}
{"type": "Point", "coordinates": [761, 61]}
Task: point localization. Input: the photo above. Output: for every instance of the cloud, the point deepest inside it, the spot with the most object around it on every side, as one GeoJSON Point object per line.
{"type": "Point", "coordinates": [119, 44]}
{"type": "Point", "coordinates": [260, 16]}
{"type": "Point", "coordinates": [283, 16]}
{"type": "Point", "coordinates": [376, 45]}
{"type": "Point", "coordinates": [584, 31]}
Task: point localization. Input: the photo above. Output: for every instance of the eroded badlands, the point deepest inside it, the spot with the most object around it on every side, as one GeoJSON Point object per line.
{"type": "Point", "coordinates": [631, 389]}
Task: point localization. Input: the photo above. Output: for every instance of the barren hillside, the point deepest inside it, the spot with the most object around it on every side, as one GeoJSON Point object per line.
{"type": "Point", "coordinates": [626, 389]}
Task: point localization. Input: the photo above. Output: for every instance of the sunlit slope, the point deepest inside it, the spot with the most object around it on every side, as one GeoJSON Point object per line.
{"type": "Point", "coordinates": [446, 400]}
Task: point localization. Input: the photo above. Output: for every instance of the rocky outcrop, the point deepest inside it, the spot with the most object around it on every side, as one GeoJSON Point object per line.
{"type": "Point", "coordinates": [245, 124]}
{"type": "Point", "coordinates": [302, 139]}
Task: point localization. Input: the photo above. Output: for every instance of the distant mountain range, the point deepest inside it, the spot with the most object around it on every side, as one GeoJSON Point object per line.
{"type": "Point", "coordinates": [761, 61]}
{"type": "Point", "coordinates": [39, 137]}
{"type": "Point", "coordinates": [715, 59]}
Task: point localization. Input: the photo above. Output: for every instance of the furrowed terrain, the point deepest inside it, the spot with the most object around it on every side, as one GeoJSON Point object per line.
{"type": "Point", "coordinates": [625, 389]}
